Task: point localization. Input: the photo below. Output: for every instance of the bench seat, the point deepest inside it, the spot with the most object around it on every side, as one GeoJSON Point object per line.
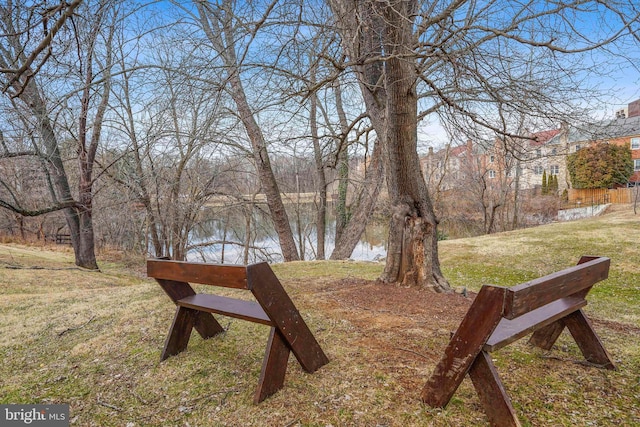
{"type": "Point", "coordinates": [240, 309]}
{"type": "Point", "coordinates": [509, 331]}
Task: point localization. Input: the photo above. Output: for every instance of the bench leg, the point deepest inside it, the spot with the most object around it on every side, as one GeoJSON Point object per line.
{"type": "Point", "coordinates": [274, 367]}
{"type": "Point", "coordinates": [586, 338]}
{"type": "Point", "coordinates": [547, 336]}
{"type": "Point", "coordinates": [206, 325]}
{"type": "Point", "coordinates": [179, 333]}
{"type": "Point", "coordinates": [491, 392]}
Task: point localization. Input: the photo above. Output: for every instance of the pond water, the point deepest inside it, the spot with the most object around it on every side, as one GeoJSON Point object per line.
{"type": "Point", "coordinates": [222, 237]}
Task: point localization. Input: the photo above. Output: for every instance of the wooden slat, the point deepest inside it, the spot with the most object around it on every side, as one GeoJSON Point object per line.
{"type": "Point", "coordinates": [228, 276]}
{"type": "Point", "coordinates": [477, 326]}
{"type": "Point", "coordinates": [247, 310]}
{"type": "Point", "coordinates": [509, 331]}
{"type": "Point", "coordinates": [491, 392]}
{"type": "Point", "coordinates": [274, 366]}
{"type": "Point", "coordinates": [180, 332]}
{"type": "Point", "coordinates": [531, 295]}
{"type": "Point", "coordinates": [269, 292]}
{"type": "Point", "coordinates": [588, 341]}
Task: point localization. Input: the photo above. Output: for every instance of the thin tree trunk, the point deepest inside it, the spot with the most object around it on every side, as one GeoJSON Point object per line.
{"type": "Point", "coordinates": [363, 207]}
{"type": "Point", "coordinates": [321, 181]}
{"type": "Point", "coordinates": [342, 217]}
{"type": "Point", "coordinates": [141, 187]}
{"type": "Point", "coordinates": [224, 42]}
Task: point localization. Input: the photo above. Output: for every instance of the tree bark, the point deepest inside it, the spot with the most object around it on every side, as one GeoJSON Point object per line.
{"type": "Point", "coordinates": [342, 161]}
{"type": "Point", "coordinates": [363, 207]}
{"type": "Point", "coordinates": [379, 38]}
{"type": "Point", "coordinates": [31, 97]}
{"type": "Point", "coordinates": [321, 181]}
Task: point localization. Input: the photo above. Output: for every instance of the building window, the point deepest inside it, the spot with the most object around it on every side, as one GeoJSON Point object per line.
{"type": "Point", "coordinates": [554, 152]}
{"type": "Point", "coordinates": [555, 170]}
{"type": "Point", "coordinates": [635, 143]}
{"type": "Point", "coordinates": [577, 147]}
{"type": "Point", "coordinates": [492, 158]}
{"type": "Point", "coordinates": [538, 170]}
{"type": "Point", "coordinates": [636, 165]}
{"type": "Point", "coordinates": [492, 174]}
{"type": "Point", "coordinates": [538, 152]}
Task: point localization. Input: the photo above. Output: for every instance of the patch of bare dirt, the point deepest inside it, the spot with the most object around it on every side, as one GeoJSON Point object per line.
{"type": "Point", "coordinates": [368, 299]}
{"type": "Point", "coordinates": [402, 327]}
{"type": "Point", "coordinates": [402, 330]}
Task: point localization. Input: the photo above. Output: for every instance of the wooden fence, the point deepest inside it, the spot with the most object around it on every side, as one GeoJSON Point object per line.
{"type": "Point", "coordinates": [598, 196]}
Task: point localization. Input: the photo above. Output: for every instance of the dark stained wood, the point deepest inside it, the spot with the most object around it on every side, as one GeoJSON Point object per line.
{"type": "Point", "coordinates": [491, 392]}
{"type": "Point", "coordinates": [267, 289]}
{"type": "Point", "coordinates": [272, 307]}
{"type": "Point", "coordinates": [530, 295]}
{"type": "Point", "coordinates": [587, 340]}
{"type": "Point", "coordinates": [247, 310]}
{"type": "Point", "coordinates": [546, 336]}
{"type": "Point", "coordinates": [510, 330]}
{"type": "Point", "coordinates": [228, 276]}
{"type": "Point", "coordinates": [206, 325]}
{"type": "Point", "coordinates": [179, 333]}
{"type": "Point", "coordinates": [274, 367]}
{"type": "Point", "coordinates": [175, 289]}
{"type": "Point", "coordinates": [467, 342]}
{"type": "Point", "coordinates": [500, 316]}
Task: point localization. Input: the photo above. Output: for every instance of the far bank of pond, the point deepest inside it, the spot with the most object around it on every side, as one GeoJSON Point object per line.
{"type": "Point", "coordinates": [238, 235]}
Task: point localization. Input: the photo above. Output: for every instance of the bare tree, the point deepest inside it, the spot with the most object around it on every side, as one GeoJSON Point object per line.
{"type": "Point", "coordinates": [172, 162]}
{"type": "Point", "coordinates": [379, 38]}
{"type": "Point", "coordinates": [223, 30]}
{"type": "Point", "coordinates": [88, 58]}
{"type": "Point", "coordinates": [462, 60]}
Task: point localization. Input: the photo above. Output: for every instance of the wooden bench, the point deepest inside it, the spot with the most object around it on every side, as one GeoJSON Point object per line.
{"type": "Point", "coordinates": [273, 307]}
{"type": "Point", "coordinates": [499, 316]}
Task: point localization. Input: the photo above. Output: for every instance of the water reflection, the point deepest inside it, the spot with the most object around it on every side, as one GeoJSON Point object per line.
{"type": "Point", "coordinates": [222, 237]}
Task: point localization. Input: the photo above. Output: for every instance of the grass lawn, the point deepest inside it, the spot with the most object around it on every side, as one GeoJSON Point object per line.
{"type": "Point", "coordinates": [93, 340]}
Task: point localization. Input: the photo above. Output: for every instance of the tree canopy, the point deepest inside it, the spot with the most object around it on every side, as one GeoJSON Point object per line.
{"type": "Point", "coordinates": [600, 165]}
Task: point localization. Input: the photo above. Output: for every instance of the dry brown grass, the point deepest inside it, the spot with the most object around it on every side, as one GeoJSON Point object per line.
{"type": "Point", "coordinates": [93, 340]}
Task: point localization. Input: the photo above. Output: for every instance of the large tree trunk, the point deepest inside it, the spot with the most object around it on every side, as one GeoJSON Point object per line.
{"type": "Point", "coordinates": [383, 47]}
{"type": "Point", "coordinates": [413, 240]}
{"type": "Point", "coordinates": [80, 227]}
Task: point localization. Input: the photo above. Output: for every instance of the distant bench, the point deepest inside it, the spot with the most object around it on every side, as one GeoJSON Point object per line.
{"type": "Point", "coordinates": [273, 307]}
{"type": "Point", "coordinates": [59, 239]}
{"type": "Point", "coordinates": [500, 316]}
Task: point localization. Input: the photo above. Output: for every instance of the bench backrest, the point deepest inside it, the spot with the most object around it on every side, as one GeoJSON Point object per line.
{"type": "Point", "coordinates": [229, 276]}
{"type": "Point", "coordinates": [526, 297]}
